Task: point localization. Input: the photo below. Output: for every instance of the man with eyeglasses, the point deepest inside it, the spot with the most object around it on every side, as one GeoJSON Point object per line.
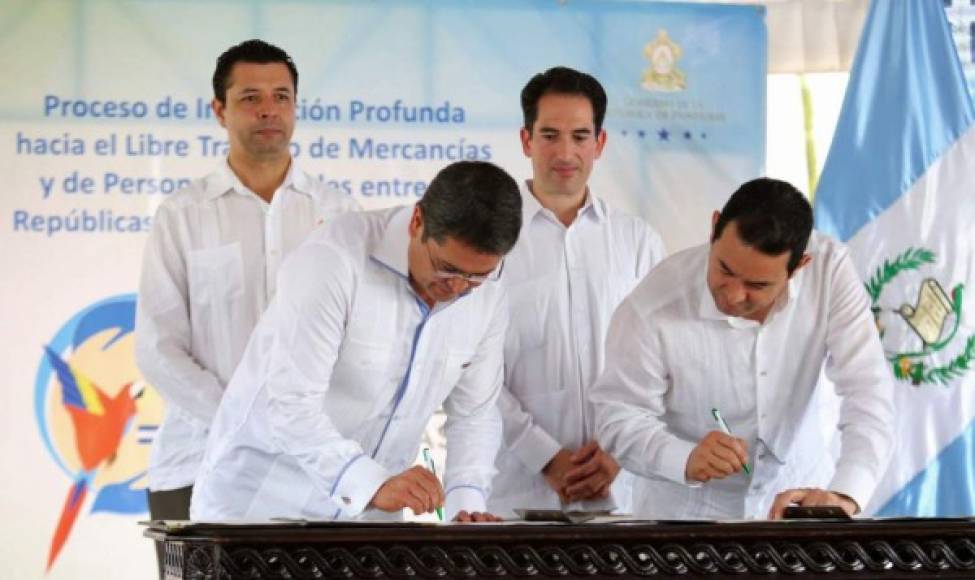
{"type": "Point", "coordinates": [379, 319]}
{"type": "Point", "coordinates": [576, 259]}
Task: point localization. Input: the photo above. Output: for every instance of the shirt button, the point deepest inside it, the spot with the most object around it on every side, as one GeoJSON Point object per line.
{"type": "Point", "coordinates": [763, 373]}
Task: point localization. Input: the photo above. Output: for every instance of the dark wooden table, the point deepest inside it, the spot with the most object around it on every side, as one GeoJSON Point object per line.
{"type": "Point", "coordinates": [909, 548]}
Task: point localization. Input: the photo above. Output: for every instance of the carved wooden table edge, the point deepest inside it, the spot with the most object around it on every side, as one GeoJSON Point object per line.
{"type": "Point", "coordinates": [905, 548]}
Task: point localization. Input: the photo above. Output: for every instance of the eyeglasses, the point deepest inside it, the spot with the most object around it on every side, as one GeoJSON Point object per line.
{"type": "Point", "coordinates": [473, 279]}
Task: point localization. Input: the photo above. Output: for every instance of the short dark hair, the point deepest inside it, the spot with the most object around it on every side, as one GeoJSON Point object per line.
{"type": "Point", "coordinates": [254, 51]}
{"type": "Point", "coordinates": [563, 80]}
{"type": "Point", "coordinates": [772, 216]}
{"type": "Point", "coordinates": [474, 202]}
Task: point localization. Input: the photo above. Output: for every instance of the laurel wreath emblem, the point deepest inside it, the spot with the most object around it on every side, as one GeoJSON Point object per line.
{"type": "Point", "coordinates": [910, 366]}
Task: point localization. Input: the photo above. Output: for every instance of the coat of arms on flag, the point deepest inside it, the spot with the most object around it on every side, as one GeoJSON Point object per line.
{"type": "Point", "coordinates": [918, 334]}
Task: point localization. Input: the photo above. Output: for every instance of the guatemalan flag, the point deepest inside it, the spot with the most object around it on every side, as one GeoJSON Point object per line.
{"type": "Point", "coordinates": [899, 187]}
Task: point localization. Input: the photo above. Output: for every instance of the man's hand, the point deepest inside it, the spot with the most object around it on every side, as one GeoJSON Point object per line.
{"type": "Point", "coordinates": [463, 516]}
{"type": "Point", "coordinates": [808, 496]}
{"type": "Point", "coordinates": [717, 456]}
{"type": "Point", "coordinates": [556, 470]}
{"type": "Point", "coordinates": [416, 488]}
{"type": "Point", "coordinates": [593, 472]}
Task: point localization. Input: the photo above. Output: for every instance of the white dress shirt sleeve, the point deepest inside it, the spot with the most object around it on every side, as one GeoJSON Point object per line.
{"type": "Point", "coordinates": [473, 426]}
{"type": "Point", "coordinates": [629, 400]}
{"type": "Point", "coordinates": [162, 338]}
{"type": "Point", "coordinates": [533, 446]}
{"type": "Point", "coordinates": [310, 309]}
{"type": "Point", "coordinates": [857, 367]}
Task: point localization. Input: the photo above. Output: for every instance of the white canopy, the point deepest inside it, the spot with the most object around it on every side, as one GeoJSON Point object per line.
{"type": "Point", "coordinates": [810, 35]}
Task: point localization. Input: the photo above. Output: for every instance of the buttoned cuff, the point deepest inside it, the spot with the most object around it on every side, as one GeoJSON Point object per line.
{"type": "Point", "coordinates": [535, 449]}
{"type": "Point", "coordinates": [673, 460]}
{"type": "Point", "coordinates": [357, 483]}
{"type": "Point", "coordinates": [463, 497]}
{"type": "Point", "coordinates": [855, 481]}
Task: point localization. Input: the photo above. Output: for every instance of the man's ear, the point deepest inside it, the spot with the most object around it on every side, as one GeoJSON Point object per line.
{"type": "Point", "coordinates": [600, 143]}
{"type": "Point", "coordinates": [526, 141]}
{"type": "Point", "coordinates": [416, 222]}
{"type": "Point", "coordinates": [218, 110]}
{"type": "Point", "coordinates": [714, 221]}
{"type": "Point", "coordinates": [805, 259]}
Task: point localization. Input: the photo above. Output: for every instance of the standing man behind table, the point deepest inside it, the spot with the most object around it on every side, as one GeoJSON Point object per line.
{"type": "Point", "coordinates": [745, 325]}
{"type": "Point", "coordinates": [576, 259]}
{"type": "Point", "coordinates": [211, 262]}
{"type": "Point", "coordinates": [381, 317]}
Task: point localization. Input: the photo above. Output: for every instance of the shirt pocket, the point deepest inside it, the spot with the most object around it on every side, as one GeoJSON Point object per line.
{"type": "Point", "coordinates": [215, 274]}
{"type": "Point", "coordinates": [361, 383]}
{"type": "Point", "coordinates": [709, 372]}
{"type": "Point", "coordinates": [528, 308]}
{"type": "Point", "coordinates": [216, 288]}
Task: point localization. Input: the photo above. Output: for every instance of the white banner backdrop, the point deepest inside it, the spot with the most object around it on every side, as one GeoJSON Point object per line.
{"type": "Point", "coordinates": [104, 114]}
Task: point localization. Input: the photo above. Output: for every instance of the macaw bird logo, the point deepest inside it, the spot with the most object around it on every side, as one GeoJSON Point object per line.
{"type": "Point", "coordinates": [99, 423]}
{"type": "Point", "coordinates": [96, 415]}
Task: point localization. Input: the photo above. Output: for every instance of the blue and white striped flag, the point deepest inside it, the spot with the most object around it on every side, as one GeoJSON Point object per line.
{"type": "Point", "coordinates": [899, 187]}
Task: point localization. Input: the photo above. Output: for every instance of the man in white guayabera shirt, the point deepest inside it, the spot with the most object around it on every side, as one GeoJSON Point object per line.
{"type": "Point", "coordinates": [380, 318]}
{"type": "Point", "coordinates": [745, 325]}
{"type": "Point", "coordinates": [211, 262]}
{"type": "Point", "coordinates": [576, 259]}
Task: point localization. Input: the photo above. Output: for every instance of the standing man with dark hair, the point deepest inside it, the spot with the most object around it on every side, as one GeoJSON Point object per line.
{"type": "Point", "coordinates": [575, 260]}
{"type": "Point", "coordinates": [381, 317]}
{"type": "Point", "coordinates": [211, 262]}
{"type": "Point", "coordinates": [741, 329]}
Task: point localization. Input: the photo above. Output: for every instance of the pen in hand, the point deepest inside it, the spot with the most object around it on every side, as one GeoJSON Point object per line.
{"type": "Point", "coordinates": [428, 459]}
{"type": "Point", "coordinates": [724, 429]}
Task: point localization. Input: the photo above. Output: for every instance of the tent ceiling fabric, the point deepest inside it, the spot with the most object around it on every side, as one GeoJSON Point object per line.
{"type": "Point", "coordinates": [813, 35]}
{"type": "Point", "coordinates": [810, 35]}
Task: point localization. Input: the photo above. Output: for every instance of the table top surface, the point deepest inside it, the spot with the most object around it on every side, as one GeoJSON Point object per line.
{"type": "Point", "coordinates": [409, 532]}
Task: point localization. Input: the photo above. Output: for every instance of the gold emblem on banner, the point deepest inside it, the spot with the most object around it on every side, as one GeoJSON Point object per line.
{"type": "Point", "coordinates": [663, 74]}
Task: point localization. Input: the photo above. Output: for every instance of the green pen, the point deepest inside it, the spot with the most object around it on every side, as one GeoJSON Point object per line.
{"type": "Point", "coordinates": [724, 428]}
{"type": "Point", "coordinates": [428, 459]}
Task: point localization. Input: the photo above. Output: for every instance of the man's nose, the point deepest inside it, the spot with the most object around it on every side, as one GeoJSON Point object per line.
{"type": "Point", "coordinates": [458, 285]}
{"type": "Point", "coordinates": [564, 149]}
{"type": "Point", "coordinates": [735, 292]}
{"type": "Point", "coordinates": [266, 110]}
